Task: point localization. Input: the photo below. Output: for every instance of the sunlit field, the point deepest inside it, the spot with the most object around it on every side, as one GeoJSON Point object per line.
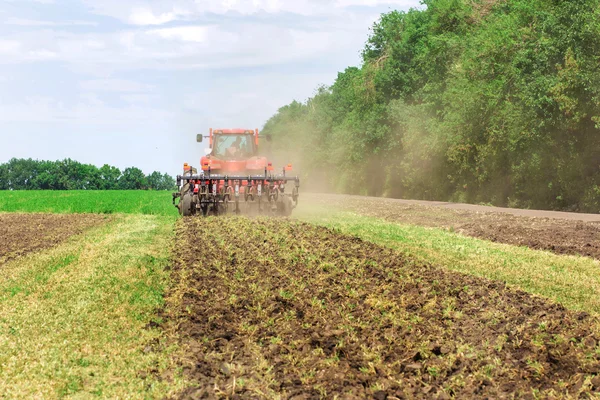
{"type": "Point", "coordinates": [89, 201]}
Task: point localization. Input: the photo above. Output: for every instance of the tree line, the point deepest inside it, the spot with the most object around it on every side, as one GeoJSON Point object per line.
{"type": "Point", "coordinates": [480, 101]}
{"type": "Point", "coordinates": [28, 174]}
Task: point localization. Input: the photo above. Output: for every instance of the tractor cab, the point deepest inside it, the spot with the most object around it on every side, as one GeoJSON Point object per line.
{"type": "Point", "coordinates": [232, 151]}
{"type": "Point", "coordinates": [232, 144]}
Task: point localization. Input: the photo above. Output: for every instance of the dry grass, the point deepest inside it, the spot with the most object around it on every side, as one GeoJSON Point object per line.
{"type": "Point", "coordinates": [74, 319]}
{"type": "Point", "coordinates": [570, 280]}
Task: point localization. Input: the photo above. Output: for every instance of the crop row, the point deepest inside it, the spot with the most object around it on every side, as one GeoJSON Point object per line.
{"type": "Point", "coordinates": [279, 308]}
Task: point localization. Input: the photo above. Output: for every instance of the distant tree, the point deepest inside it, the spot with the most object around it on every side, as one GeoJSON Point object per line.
{"type": "Point", "coordinates": [93, 177]}
{"type": "Point", "coordinates": [70, 175]}
{"type": "Point", "coordinates": [21, 173]}
{"type": "Point", "coordinates": [168, 182]}
{"type": "Point", "coordinates": [109, 177]}
{"type": "Point", "coordinates": [28, 174]}
{"type": "Point", "coordinates": [4, 183]}
{"type": "Point", "coordinates": [133, 179]}
{"type": "Point", "coordinates": [154, 180]}
{"type": "Point", "coordinates": [158, 181]}
{"type": "Point", "coordinates": [47, 176]}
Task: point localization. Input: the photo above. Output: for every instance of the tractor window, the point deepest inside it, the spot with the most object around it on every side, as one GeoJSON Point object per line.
{"type": "Point", "coordinates": [233, 146]}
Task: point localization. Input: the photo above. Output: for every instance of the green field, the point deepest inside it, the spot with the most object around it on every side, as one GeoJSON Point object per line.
{"type": "Point", "coordinates": [74, 319]}
{"type": "Point", "coordinates": [88, 201]}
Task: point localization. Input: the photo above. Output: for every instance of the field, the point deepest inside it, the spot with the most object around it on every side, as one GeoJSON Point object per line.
{"type": "Point", "coordinates": [88, 201]}
{"type": "Point", "coordinates": [271, 308]}
{"type": "Point", "coordinates": [25, 233]}
{"type": "Point", "coordinates": [77, 318]}
{"type": "Point", "coordinates": [566, 233]}
{"type": "Point", "coordinates": [348, 299]}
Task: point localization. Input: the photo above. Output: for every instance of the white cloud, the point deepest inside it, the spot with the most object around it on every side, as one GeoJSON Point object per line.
{"type": "Point", "coordinates": [31, 1]}
{"type": "Point", "coordinates": [38, 23]}
{"type": "Point", "coordinates": [372, 3]}
{"type": "Point", "coordinates": [147, 17]}
{"type": "Point", "coordinates": [140, 12]}
{"type": "Point", "coordinates": [89, 109]}
{"type": "Point", "coordinates": [199, 42]}
{"type": "Point", "coordinates": [197, 34]}
{"type": "Point", "coordinates": [8, 47]}
{"type": "Point", "coordinates": [92, 99]}
{"type": "Point", "coordinates": [182, 47]}
{"type": "Point", "coordinates": [139, 98]}
{"type": "Point", "coordinates": [41, 55]}
{"type": "Point", "coordinates": [115, 85]}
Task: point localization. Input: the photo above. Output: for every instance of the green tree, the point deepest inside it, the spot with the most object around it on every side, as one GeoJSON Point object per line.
{"type": "Point", "coordinates": [4, 182]}
{"type": "Point", "coordinates": [28, 174]}
{"type": "Point", "coordinates": [166, 182]}
{"type": "Point", "coordinates": [109, 177]}
{"type": "Point", "coordinates": [466, 100]}
{"type": "Point", "coordinates": [47, 176]}
{"type": "Point", "coordinates": [155, 180]}
{"type": "Point", "coordinates": [133, 179]}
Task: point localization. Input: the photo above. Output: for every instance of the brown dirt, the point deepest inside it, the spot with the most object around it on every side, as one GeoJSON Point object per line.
{"type": "Point", "coordinates": [283, 309]}
{"type": "Point", "coordinates": [26, 233]}
{"type": "Point", "coordinates": [529, 228]}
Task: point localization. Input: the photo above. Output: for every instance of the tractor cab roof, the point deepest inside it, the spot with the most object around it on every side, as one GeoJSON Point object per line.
{"type": "Point", "coordinates": [233, 131]}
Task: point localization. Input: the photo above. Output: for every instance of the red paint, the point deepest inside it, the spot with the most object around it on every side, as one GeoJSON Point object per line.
{"type": "Point", "coordinates": [252, 166]}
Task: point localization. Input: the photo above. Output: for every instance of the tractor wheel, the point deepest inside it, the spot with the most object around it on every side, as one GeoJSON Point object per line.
{"type": "Point", "coordinates": [186, 204]}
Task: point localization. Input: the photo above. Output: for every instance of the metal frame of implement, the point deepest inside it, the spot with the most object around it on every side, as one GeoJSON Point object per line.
{"type": "Point", "coordinates": [208, 184]}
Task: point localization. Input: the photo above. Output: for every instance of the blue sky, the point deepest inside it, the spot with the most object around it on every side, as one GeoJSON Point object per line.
{"type": "Point", "coordinates": [130, 83]}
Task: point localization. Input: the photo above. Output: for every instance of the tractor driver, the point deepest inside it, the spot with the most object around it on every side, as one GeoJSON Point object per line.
{"type": "Point", "coordinates": [236, 147]}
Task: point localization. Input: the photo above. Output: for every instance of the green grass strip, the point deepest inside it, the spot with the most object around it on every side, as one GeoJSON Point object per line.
{"type": "Point", "coordinates": [88, 201]}
{"type": "Point", "coordinates": [570, 280]}
{"type": "Point", "coordinates": [73, 319]}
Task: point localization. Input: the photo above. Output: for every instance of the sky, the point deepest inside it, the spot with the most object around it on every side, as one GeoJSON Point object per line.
{"type": "Point", "coordinates": [131, 82]}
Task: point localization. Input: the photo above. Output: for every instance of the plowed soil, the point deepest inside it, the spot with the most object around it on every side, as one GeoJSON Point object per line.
{"type": "Point", "coordinates": [25, 233]}
{"type": "Point", "coordinates": [566, 235]}
{"type": "Point", "coordinates": [283, 309]}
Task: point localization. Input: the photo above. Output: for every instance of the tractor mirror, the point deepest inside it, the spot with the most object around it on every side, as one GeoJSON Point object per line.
{"type": "Point", "coordinates": [199, 138]}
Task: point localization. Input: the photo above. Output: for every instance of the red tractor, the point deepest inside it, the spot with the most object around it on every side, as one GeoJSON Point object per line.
{"type": "Point", "coordinates": [235, 179]}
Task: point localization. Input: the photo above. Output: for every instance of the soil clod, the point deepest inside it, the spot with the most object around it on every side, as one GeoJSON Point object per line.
{"type": "Point", "coordinates": [21, 234]}
{"type": "Point", "coordinates": [372, 325]}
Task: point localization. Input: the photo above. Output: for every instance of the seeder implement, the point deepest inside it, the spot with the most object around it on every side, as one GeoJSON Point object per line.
{"type": "Point", "coordinates": [215, 194]}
